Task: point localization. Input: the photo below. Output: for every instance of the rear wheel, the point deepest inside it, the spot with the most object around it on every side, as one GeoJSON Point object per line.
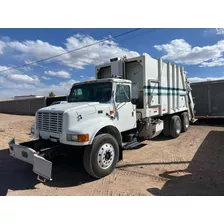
{"type": "Point", "coordinates": [175, 126]}
{"type": "Point", "coordinates": [101, 157]}
{"type": "Point", "coordinates": [185, 121]}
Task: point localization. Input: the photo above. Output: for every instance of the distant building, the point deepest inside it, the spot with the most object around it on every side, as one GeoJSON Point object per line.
{"type": "Point", "coordinates": [26, 97]}
{"type": "Point", "coordinates": [6, 99]}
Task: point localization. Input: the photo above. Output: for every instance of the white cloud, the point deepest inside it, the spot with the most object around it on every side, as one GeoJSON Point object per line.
{"type": "Point", "coordinates": [3, 68]}
{"type": "Point", "coordinates": [199, 79]}
{"type": "Point", "coordinates": [8, 78]}
{"type": "Point", "coordinates": [60, 74]}
{"type": "Point", "coordinates": [180, 51]}
{"type": "Point", "coordinates": [2, 46]}
{"type": "Point", "coordinates": [213, 63]}
{"type": "Point", "coordinates": [220, 31]}
{"type": "Point", "coordinates": [23, 78]}
{"type": "Point", "coordinates": [12, 89]}
{"type": "Point", "coordinates": [37, 49]}
{"type": "Point", "coordinates": [46, 78]}
{"type": "Point", "coordinates": [99, 53]}
{"type": "Point", "coordinates": [15, 82]}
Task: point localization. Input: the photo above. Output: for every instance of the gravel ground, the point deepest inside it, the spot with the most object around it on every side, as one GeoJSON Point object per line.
{"type": "Point", "coordinates": [189, 165]}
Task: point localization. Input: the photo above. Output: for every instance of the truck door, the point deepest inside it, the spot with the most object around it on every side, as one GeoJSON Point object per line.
{"type": "Point", "coordinates": [125, 116]}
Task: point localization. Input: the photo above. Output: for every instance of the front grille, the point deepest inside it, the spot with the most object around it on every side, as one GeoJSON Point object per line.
{"type": "Point", "coordinates": [49, 122]}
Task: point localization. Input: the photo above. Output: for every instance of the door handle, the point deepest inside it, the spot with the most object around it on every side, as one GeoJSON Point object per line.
{"type": "Point", "coordinates": [111, 117]}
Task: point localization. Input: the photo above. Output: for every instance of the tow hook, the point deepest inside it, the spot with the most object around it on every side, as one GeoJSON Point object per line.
{"type": "Point", "coordinates": [41, 179]}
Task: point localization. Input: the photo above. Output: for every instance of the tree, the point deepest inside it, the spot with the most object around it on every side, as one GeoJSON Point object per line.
{"type": "Point", "coordinates": [51, 94]}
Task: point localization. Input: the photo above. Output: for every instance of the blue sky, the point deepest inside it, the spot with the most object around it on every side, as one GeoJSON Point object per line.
{"type": "Point", "coordinates": [200, 51]}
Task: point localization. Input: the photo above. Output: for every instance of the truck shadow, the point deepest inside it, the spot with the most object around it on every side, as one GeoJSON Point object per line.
{"type": "Point", "coordinates": [210, 122]}
{"type": "Point", "coordinates": [14, 174]}
{"type": "Point", "coordinates": [69, 171]}
{"type": "Point", "coordinates": [17, 175]}
{"type": "Point", "coordinates": [203, 176]}
{"type": "Point", "coordinates": [161, 137]}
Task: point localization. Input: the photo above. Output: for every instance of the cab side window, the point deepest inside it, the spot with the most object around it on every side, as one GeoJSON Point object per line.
{"type": "Point", "coordinates": [123, 94]}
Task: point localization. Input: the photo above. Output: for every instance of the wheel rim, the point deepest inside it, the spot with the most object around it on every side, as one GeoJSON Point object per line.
{"type": "Point", "coordinates": [186, 122]}
{"type": "Point", "coordinates": [178, 126]}
{"type": "Point", "coordinates": [106, 156]}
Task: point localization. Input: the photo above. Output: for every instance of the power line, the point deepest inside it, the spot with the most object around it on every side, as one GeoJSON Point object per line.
{"type": "Point", "coordinates": [68, 52]}
{"type": "Point", "coordinates": [140, 34]}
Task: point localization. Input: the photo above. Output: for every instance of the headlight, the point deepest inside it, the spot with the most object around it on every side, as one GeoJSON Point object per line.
{"type": "Point", "coordinates": [74, 138]}
{"type": "Point", "coordinates": [78, 138]}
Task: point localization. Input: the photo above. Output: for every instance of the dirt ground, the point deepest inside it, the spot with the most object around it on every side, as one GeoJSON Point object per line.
{"type": "Point", "coordinates": [189, 165]}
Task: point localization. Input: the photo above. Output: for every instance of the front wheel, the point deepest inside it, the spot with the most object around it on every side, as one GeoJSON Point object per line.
{"type": "Point", "coordinates": [101, 157]}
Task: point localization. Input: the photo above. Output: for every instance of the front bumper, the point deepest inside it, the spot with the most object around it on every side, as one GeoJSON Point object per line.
{"type": "Point", "coordinates": [24, 152]}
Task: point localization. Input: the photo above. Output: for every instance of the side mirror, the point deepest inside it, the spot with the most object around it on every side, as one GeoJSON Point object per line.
{"type": "Point", "coordinates": [134, 93]}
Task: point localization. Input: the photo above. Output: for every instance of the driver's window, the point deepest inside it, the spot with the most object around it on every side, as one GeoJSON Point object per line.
{"type": "Point", "coordinates": [122, 94]}
{"type": "Point", "coordinates": [79, 92]}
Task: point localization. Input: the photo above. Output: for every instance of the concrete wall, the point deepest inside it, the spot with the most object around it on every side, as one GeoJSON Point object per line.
{"type": "Point", "coordinates": [50, 100]}
{"type": "Point", "coordinates": [22, 107]}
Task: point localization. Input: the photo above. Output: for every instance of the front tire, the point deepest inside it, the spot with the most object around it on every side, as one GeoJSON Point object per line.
{"type": "Point", "coordinates": [101, 157]}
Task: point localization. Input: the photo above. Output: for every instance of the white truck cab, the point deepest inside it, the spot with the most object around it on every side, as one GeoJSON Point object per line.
{"type": "Point", "coordinates": [91, 106]}
{"type": "Point", "coordinates": [130, 100]}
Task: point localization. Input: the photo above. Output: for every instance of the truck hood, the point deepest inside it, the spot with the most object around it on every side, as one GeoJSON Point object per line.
{"type": "Point", "coordinates": [79, 107]}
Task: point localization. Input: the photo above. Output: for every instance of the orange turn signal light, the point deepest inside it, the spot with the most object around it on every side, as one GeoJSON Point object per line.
{"type": "Point", "coordinates": [111, 112]}
{"type": "Point", "coordinates": [83, 138]}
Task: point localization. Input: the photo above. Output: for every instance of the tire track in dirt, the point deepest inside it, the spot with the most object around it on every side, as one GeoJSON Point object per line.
{"type": "Point", "coordinates": [121, 173]}
{"type": "Point", "coordinates": [103, 192]}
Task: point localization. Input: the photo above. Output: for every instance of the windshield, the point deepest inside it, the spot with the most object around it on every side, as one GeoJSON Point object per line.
{"type": "Point", "coordinates": [91, 92]}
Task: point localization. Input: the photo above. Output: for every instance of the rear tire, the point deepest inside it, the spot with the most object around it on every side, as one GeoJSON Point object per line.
{"type": "Point", "coordinates": [175, 126]}
{"type": "Point", "coordinates": [185, 121]}
{"type": "Point", "coordinates": [101, 157]}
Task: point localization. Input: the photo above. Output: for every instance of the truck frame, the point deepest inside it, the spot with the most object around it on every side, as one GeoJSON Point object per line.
{"type": "Point", "coordinates": [130, 100]}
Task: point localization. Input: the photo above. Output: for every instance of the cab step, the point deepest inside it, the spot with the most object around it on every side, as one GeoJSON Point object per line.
{"type": "Point", "coordinates": [133, 145]}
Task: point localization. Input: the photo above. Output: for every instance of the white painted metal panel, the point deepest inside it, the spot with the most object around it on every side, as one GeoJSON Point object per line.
{"type": "Point", "coordinates": [164, 89]}
{"type": "Point", "coordinates": [169, 96]}
{"type": "Point", "coordinates": [42, 167]}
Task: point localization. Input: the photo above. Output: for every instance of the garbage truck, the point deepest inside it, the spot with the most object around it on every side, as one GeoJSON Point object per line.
{"type": "Point", "coordinates": [129, 101]}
